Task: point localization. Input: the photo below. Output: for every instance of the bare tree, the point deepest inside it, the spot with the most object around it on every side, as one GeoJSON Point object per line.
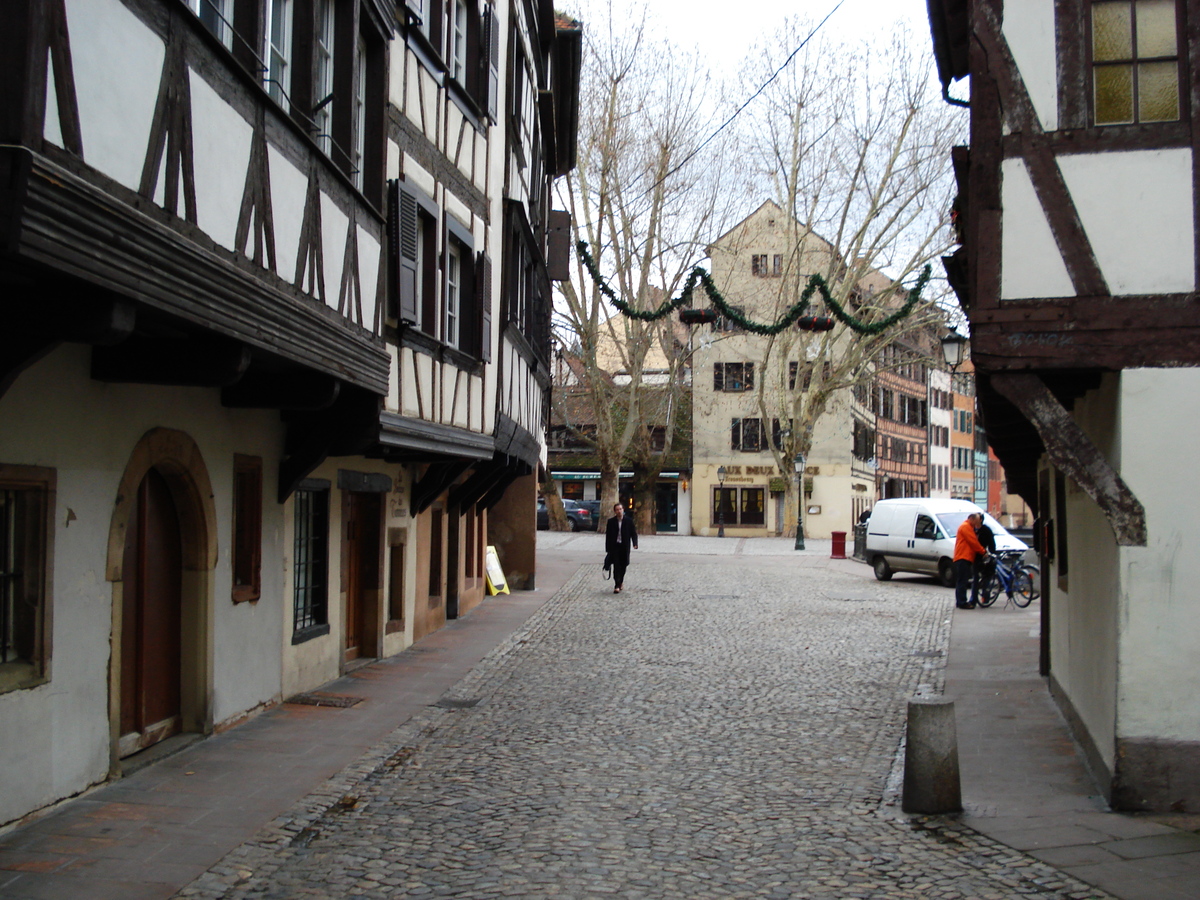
{"type": "Point", "coordinates": [644, 203]}
{"type": "Point", "coordinates": [849, 141]}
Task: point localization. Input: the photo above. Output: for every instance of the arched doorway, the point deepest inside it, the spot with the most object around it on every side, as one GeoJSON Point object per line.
{"type": "Point", "coordinates": [152, 619]}
{"type": "Point", "coordinates": [161, 555]}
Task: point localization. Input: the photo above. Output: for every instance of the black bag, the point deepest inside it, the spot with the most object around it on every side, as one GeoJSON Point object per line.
{"type": "Point", "coordinates": [607, 566]}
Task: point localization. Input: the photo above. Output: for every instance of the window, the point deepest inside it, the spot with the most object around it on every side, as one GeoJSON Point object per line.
{"type": "Point", "coordinates": [278, 50]}
{"type": "Point", "coordinates": [458, 41]}
{"type": "Point", "coordinates": [26, 550]}
{"type": "Point", "coordinates": [247, 528]}
{"type": "Point", "coordinates": [727, 325]}
{"type": "Point", "coordinates": [360, 112]}
{"type": "Point", "coordinates": [739, 506]}
{"type": "Point", "coordinates": [758, 264]}
{"type": "Point", "coordinates": [777, 264]}
{"type": "Point", "coordinates": [779, 432]}
{"type": "Point", "coordinates": [215, 14]}
{"type": "Point", "coordinates": [453, 295]}
{"type": "Point", "coordinates": [887, 401]}
{"type": "Point", "coordinates": [733, 378]}
{"type": "Point", "coordinates": [413, 219]}
{"type": "Point", "coordinates": [322, 117]}
{"type": "Point", "coordinates": [746, 435]}
{"type": "Point", "coordinates": [1135, 61]}
{"type": "Point", "coordinates": [310, 607]}
{"type": "Point", "coordinates": [427, 17]}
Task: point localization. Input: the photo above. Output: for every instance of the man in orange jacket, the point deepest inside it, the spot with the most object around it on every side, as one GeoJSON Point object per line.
{"type": "Point", "coordinates": [967, 549]}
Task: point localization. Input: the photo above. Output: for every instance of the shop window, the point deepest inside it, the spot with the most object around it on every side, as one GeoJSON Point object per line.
{"type": "Point", "coordinates": [745, 506]}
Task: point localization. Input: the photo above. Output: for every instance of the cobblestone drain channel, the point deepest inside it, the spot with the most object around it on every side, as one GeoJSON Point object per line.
{"type": "Point", "coordinates": [719, 730]}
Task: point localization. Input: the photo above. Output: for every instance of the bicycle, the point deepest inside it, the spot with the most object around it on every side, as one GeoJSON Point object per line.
{"type": "Point", "coordinates": [1012, 577]}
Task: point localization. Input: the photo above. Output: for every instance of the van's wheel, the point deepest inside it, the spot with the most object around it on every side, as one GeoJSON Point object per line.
{"type": "Point", "coordinates": [946, 573]}
{"type": "Point", "coordinates": [883, 571]}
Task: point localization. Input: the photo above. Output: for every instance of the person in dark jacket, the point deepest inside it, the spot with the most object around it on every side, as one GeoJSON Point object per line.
{"type": "Point", "coordinates": [984, 565]}
{"type": "Point", "coordinates": [619, 537]}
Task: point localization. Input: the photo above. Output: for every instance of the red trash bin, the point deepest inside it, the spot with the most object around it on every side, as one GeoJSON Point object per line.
{"type": "Point", "coordinates": [839, 545]}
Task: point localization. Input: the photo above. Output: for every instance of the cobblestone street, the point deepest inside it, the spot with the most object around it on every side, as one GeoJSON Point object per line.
{"type": "Point", "coordinates": [726, 727]}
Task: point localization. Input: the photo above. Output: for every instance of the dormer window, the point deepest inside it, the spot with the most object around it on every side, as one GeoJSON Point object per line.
{"type": "Point", "coordinates": [1135, 61]}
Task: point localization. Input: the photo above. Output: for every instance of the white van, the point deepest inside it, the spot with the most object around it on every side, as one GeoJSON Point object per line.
{"type": "Point", "coordinates": [916, 534]}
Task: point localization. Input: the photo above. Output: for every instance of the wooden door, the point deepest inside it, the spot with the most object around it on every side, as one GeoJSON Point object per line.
{"type": "Point", "coordinates": [361, 565]}
{"type": "Point", "coordinates": [151, 627]}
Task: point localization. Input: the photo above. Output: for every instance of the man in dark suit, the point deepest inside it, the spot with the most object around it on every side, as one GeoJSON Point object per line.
{"type": "Point", "coordinates": [619, 538]}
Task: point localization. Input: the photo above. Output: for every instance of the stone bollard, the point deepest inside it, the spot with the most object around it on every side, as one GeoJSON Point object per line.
{"type": "Point", "coordinates": [931, 783]}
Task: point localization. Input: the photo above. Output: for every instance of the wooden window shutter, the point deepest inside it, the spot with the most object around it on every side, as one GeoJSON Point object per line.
{"type": "Point", "coordinates": [748, 384]}
{"type": "Point", "coordinates": [735, 434]}
{"type": "Point", "coordinates": [558, 245]}
{"type": "Point", "coordinates": [403, 225]}
{"type": "Point", "coordinates": [491, 60]}
{"type": "Point", "coordinates": [718, 376]}
{"type": "Point", "coordinates": [483, 300]}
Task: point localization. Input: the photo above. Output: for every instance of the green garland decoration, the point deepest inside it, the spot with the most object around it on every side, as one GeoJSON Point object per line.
{"type": "Point", "coordinates": [795, 311]}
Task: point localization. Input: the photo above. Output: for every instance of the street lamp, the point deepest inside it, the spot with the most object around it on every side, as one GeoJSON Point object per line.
{"type": "Point", "coordinates": [799, 501]}
{"type": "Point", "coordinates": [954, 348]}
{"type": "Point", "coordinates": [721, 502]}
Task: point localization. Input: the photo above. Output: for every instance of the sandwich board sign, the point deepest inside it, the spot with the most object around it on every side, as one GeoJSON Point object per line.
{"type": "Point", "coordinates": [496, 584]}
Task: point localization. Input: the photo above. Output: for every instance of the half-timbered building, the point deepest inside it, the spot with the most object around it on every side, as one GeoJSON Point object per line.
{"type": "Point", "coordinates": [245, 441]}
{"type": "Point", "coordinates": [1079, 198]}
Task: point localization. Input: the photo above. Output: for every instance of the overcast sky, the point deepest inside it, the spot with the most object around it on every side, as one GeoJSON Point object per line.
{"type": "Point", "coordinates": [709, 25]}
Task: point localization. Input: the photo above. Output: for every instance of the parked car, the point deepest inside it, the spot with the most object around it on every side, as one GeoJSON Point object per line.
{"type": "Point", "coordinates": [594, 507]}
{"type": "Point", "coordinates": [579, 517]}
{"type": "Point", "coordinates": [916, 534]}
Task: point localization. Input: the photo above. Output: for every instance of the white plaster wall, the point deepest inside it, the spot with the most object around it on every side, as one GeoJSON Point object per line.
{"type": "Point", "coordinates": [1160, 613]}
{"type": "Point", "coordinates": [1030, 263]}
{"type": "Point", "coordinates": [1137, 210]}
{"type": "Point", "coordinates": [289, 187]}
{"type": "Point", "coordinates": [1029, 30]}
{"type": "Point", "coordinates": [56, 735]}
{"type": "Point", "coordinates": [221, 141]}
{"type": "Point", "coordinates": [51, 128]}
{"type": "Point", "coordinates": [1085, 619]}
{"type": "Point", "coordinates": [369, 262]}
{"type": "Point", "coordinates": [334, 229]}
{"type": "Point", "coordinates": [116, 103]}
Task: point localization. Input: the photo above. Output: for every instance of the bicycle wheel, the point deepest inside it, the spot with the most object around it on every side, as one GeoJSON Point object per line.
{"type": "Point", "coordinates": [1035, 575]}
{"type": "Point", "coordinates": [1022, 588]}
{"type": "Point", "coordinates": [989, 590]}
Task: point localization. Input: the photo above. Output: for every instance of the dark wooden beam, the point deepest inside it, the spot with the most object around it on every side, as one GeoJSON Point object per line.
{"type": "Point", "coordinates": [482, 480]}
{"type": "Point", "coordinates": [1074, 454]}
{"type": "Point", "coordinates": [347, 428]}
{"type": "Point", "coordinates": [17, 353]}
{"type": "Point", "coordinates": [36, 322]}
{"type": "Point", "coordinates": [65, 315]}
{"type": "Point", "coordinates": [296, 390]}
{"type": "Point", "coordinates": [436, 479]}
{"type": "Point", "coordinates": [198, 362]}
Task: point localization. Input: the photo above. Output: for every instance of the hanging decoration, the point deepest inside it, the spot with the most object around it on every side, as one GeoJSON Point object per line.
{"type": "Point", "coordinates": [815, 284]}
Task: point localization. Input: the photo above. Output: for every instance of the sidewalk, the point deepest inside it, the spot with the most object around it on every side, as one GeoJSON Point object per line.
{"type": "Point", "coordinates": [1023, 778]}
{"type": "Point", "coordinates": [148, 835]}
{"type": "Point", "coordinates": [154, 832]}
